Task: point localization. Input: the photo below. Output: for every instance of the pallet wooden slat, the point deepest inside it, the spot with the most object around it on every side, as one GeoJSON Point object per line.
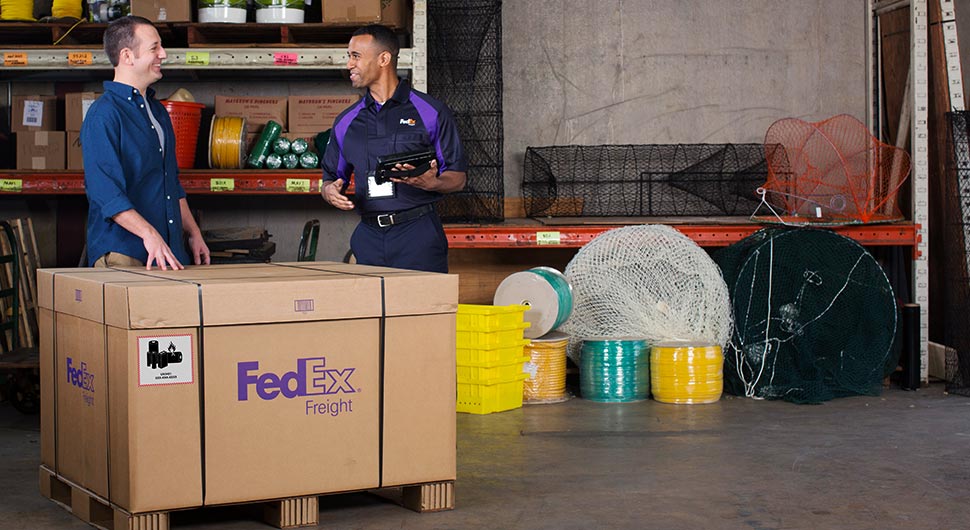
{"type": "Point", "coordinates": [293, 512]}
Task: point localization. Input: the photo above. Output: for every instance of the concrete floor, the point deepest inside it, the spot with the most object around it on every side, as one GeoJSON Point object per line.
{"type": "Point", "coordinates": [899, 460]}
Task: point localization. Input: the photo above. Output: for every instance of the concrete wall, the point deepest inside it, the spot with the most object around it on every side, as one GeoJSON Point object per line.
{"type": "Point", "coordinates": [674, 71]}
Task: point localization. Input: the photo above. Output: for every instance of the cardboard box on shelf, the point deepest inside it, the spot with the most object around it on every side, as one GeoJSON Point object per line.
{"type": "Point", "coordinates": [347, 12]}
{"type": "Point", "coordinates": [258, 110]}
{"type": "Point", "coordinates": [76, 105]}
{"type": "Point", "coordinates": [40, 150]}
{"type": "Point", "coordinates": [391, 13]}
{"type": "Point", "coordinates": [395, 13]}
{"type": "Point", "coordinates": [293, 402]}
{"type": "Point", "coordinates": [308, 113]}
{"type": "Point", "coordinates": [34, 113]}
{"type": "Point", "coordinates": [163, 10]}
{"type": "Point", "coordinates": [74, 159]}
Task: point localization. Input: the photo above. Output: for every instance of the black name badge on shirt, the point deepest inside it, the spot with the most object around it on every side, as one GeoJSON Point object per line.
{"type": "Point", "coordinates": [386, 190]}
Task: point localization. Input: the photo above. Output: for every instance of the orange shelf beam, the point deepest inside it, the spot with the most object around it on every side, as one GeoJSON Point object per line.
{"type": "Point", "coordinates": [705, 235]}
{"type": "Point", "coordinates": [195, 181]}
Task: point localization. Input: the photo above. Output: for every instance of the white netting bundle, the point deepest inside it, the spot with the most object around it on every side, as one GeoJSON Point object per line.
{"type": "Point", "coordinates": [647, 281]}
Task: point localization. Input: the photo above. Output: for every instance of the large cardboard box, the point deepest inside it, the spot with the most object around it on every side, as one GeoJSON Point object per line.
{"type": "Point", "coordinates": [34, 113]}
{"type": "Point", "coordinates": [246, 382]}
{"type": "Point", "coordinates": [163, 10]}
{"type": "Point", "coordinates": [316, 113]}
{"type": "Point", "coordinates": [76, 105]}
{"type": "Point", "coordinates": [258, 110]}
{"type": "Point", "coordinates": [75, 160]}
{"type": "Point", "coordinates": [41, 150]}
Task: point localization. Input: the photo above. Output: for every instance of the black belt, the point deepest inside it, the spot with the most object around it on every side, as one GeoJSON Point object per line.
{"type": "Point", "coordinates": [395, 218]}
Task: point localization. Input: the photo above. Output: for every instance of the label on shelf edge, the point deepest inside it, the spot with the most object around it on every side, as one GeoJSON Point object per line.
{"type": "Point", "coordinates": [12, 185]}
{"type": "Point", "coordinates": [297, 185]}
{"type": "Point", "coordinates": [79, 58]}
{"type": "Point", "coordinates": [14, 59]}
{"type": "Point", "coordinates": [285, 59]}
{"type": "Point", "coordinates": [197, 58]}
{"type": "Point", "coordinates": [548, 238]}
{"type": "Point", "coordinates": [222, 184]}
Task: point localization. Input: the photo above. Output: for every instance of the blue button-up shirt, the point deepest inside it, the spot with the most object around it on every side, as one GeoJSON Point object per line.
{"type": "Point", "coordinates": [409, 121]}
{"type": "Point", "coordinates": [125, 167]}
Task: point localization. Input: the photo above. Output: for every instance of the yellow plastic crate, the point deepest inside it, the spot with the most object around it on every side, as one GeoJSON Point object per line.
{"type": "Point", "coordinates": [490, 317]}
{"type": "Point", "coordinates": [486, 398]}
{"type": "Point", "coordinates": [491, 371]}
{"type": "Point", "coordinates": [505, 338]}
{"type": "Point", "coordinates": [500, 355]}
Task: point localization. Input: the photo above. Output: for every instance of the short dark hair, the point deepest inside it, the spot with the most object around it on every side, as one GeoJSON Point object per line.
{"type": "Point", "coordinates": [384, 37]}
{"type": "Point", "coordinates": [121, 34]}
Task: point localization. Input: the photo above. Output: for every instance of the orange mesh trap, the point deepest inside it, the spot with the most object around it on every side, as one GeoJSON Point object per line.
{"type": "Point", "coordinates": [831, 172]}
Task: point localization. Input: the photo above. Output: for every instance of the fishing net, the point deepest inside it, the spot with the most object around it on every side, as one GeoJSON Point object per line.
{"type": "Point", "coordinates": [649, 282]}
{"type": "Point", "coordinates": [831, 172]}
{"type": "Point", "coordinates": [814, 317]}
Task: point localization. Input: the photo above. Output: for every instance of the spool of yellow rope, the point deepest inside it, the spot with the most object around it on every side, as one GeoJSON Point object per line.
{"type": "Point", "coordinates": [17, 10]}
{"type": "Point", "coordinates": [547, 369]}
{"type": "Point", "coordinates": [686, 373]}
{"type": "Point", "coordinates": [227, 141]}
{"type": "Point", "coordinates": [66, 9]}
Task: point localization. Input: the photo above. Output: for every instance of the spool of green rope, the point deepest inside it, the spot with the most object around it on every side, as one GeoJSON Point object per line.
{"type": "Point", "coordinates": [547, 293]}
{"type": "Point", "coordinates": [615, 370]}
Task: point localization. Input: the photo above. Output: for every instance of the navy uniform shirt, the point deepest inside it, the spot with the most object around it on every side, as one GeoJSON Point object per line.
{"type": "Point", "coordinates": [409, 121]}
{"type": "Point", "coordinates": [126, 168]}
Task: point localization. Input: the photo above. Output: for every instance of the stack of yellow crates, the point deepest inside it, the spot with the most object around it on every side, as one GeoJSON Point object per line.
{"type": "Point", "coordinates": [490, 357]}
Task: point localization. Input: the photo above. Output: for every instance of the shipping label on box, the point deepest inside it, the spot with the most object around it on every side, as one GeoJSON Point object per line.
{"type": "Point", "coordinates": [41, 150]}
{"type": "Point", "coordinates": [165, 365]}
{"type": "Point", "coordinates": [34, 113]}
{"type": "Point", "coordinates": [258, 110]}
{"type": "Point", "coordinates": [317, 113]}
{"type": "Point", "coordinates": [76, 105]}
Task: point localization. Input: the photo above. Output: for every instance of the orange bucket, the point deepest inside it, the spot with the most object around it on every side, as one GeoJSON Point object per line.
{"type": "Point", "coordinates": [186, 120]}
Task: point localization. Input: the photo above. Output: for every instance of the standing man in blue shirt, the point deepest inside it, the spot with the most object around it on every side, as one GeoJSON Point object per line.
{"type": "Point", "coordinates": [399, 225]}
{"type": "Point", "coordinates": [137, 207]}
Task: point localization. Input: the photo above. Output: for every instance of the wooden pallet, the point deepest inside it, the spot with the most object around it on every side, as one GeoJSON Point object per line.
{"type": "Point", "coordinates": [294, 512]}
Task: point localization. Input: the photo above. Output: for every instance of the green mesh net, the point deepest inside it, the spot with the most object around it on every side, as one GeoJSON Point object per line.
{"type": "Point", "coordinates": [815, 317]}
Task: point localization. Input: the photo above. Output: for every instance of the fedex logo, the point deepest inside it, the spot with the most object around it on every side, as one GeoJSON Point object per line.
{"type": "Point", "coordinates": [80, 377]}
{"type": "Point", "coordinates": [311, 378]}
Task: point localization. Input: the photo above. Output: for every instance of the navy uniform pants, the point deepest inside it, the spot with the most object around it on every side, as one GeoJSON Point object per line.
{"type": "Point", "coordinates": [419, 244]}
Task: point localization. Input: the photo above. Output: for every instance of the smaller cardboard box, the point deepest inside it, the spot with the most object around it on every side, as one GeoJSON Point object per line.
{"type": "Point", "coordinates": [74, 159]}
{"type": "Point", "coordinates": [34, 113]}
{"type": "Point", "coordinates": [163, 10]}
{"type": "Point", "coordinates": [42, 150]}
{"type": "Point", "coordinates": [258, 110]}
{"type": "Point", "coordinates": [350, 12]}
{"type": "Point", "coordinates": [316, 113]}
{"type": "Point", "coordinates": [76, 105]}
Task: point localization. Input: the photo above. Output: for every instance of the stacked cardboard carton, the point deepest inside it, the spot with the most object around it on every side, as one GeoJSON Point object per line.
{"type": "Point", "coordinates": [239, 383]}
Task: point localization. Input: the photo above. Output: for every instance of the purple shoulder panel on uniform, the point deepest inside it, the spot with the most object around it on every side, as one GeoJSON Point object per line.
{"type": "Point", "coordinates": [429, 115]}
{"type": "Point", "coordinates": [340, 131]}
